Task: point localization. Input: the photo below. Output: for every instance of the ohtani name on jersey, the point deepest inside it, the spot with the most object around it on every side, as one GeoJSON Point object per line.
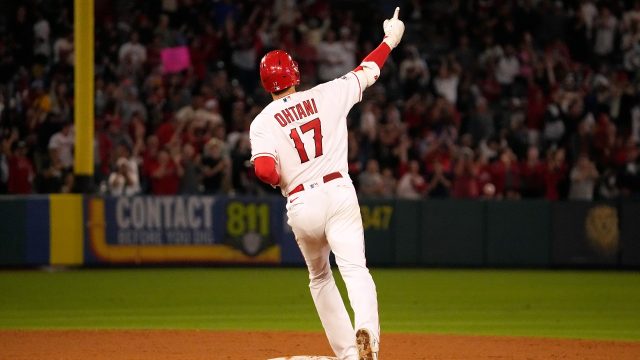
{"type": "Point", "coordinates": [296, 112]}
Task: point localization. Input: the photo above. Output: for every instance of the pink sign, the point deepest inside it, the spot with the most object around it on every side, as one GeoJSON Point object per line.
{"type": "Point", "coordinates": [175, 59]}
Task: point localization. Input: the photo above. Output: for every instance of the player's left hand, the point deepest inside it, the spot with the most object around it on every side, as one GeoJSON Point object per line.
{"type": "Point", "coordinates": [393, 30]}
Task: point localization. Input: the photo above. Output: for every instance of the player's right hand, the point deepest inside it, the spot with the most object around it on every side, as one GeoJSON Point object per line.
{"type": "Point", "coordinates": [393, 30]}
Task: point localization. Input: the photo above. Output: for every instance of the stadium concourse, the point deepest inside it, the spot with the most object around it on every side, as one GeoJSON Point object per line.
{"type": "Point", "coordinates": [494, 99]}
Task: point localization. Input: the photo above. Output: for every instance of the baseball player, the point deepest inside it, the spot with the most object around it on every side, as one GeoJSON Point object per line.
{"type": "Point", "coordinates": [299, 142]}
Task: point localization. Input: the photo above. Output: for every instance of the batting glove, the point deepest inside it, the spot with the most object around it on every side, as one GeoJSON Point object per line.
{"type": "Point", "coordinates": [393, 30]}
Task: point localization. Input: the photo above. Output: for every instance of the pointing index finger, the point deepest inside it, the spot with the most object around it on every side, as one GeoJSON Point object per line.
{"type": "Point", "coordinates": [395, 14]}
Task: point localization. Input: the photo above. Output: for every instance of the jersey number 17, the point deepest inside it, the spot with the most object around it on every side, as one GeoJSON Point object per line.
{"type": "Point", "coordinates": [313, 125]}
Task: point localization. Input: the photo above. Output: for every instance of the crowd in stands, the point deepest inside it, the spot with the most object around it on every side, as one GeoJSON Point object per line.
{"type": "Point", "coordinates": [482, 99]}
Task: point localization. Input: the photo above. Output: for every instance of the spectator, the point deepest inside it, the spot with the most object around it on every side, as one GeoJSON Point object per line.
{"type": "Point", "coordinates": [632, 15]}
{"type": "Point", "coordinates": [244, 56]}
{"type": "Point", "coordinates": [505, 175]}
{"type": "Point", "coordinates": [241, 169]}
{"type": "Point", "coordinates": [491, 51]}
{"type": "Point", "coordinates": [163, 31]}
{"type": "Point", "coordinates": [52, 177]}
{"type": "Point", "coordinates": [583, 179]}
{"type": "Point", "coordinates": [370, 180]}
{"type": "Point", "coordinates": [536, 105]}
{"type": "Point", "coordinates": [606, 27]}
{"type": "Point", "coordinates": [41, 37]}
{"type": "Point", "coordinates": [123, 180]}
{"type": "Point", "coordinates": [165, 175]}
{"type": "Point", "coordinates": [213, 167]}
{"type": "Point", "coordinates": [60, 102]}
{"type": "Point", "coordinates": [133, 54]}
{"type": "Point", "coordinates": [554, 128]}
{"type": "Point", "coordinates": [331, 61]}
{"type": "Point", "coordinates": [149, 158]}
{"type": "Point", "coordinates": [439, 184]}
{"type": "Point", "coordinates": [446, 82]}
{"type": "Point", "coordinates": [607, 187]}
{"type": "Point", "coordinates": [107, 141]}
{"type": "Point", "coordinates": [465, 55]}
{"type": "Point", "coordinates": [307, 56]}
{"type": "Point", "coordinates": [63, 50]}
{"type": "Point", "coordinates": [389, 183]}
{"type": "Point", "coordinates": [189, 183]}
{"type": "Point", "coordinates": [4, 172]}
{"type": "Point", "coordinates": [532, 174]}
{"type": "Point", "coordinates": [137, 134]}
{"type": "Point", "coordinates": [555, 174]}
{"type": "Point", "coordinates": [558, 76]}
{"type": "Point", "coordinates": [61, 147]}
{"type": "Point", "coordinates": [414, 73]}
{"type": "Point", "coordinates": [481, 125]}
{"type": "Point", "coordinates": [412, 184]}
{"type": "Point", "coordinates": [348, 61]}
{"type": "Point", "coordinates": [465, 184]}
{"type": "Point", "coordinates": [507, 68]}
{"type": "Point", "coordinates": [131, 106]}
{"type": "Point", "coordinates": [628, 177]}
{"type": "Point", "coordinates": [21, 171]}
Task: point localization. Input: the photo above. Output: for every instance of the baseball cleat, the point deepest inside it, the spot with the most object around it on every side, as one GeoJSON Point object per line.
{"type": "Point", "coordinates": [367, 345]}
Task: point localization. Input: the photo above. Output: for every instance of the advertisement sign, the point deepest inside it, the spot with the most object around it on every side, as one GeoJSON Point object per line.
{"type": "Point", "coordinates": [585, 233]}
{"type": "Point", "coordinates": [182, 229]}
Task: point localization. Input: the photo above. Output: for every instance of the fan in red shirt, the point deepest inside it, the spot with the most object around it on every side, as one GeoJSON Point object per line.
{"type": "Point", "coordinates": [21, 171]}
{"type": "Point", "coordinates": [165, 174]}
{"type": "Point", "coordinates": [532, 174]}
{"type": "Point", "coordinates": [166, 131]}
{"type": "Point", "coordinates": [505, 175]}
{"type": "Point", "coordinates": [554, 173]}
{"type": "Point", "coordinates": [465, 181]}
{"type": "Point", "coordinates": [150, 155]}
{"type": "Point", "coordinates": [536, 105]}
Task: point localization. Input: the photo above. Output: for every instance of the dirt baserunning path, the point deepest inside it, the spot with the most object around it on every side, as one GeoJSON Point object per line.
{"type": "Point", "coordinates": [245, 345]}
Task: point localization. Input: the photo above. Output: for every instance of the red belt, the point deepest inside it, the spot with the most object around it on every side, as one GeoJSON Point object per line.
{"type": "Point", "coordinates": [326, 179]}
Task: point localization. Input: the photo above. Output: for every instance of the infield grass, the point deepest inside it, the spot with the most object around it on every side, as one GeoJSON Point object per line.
{"type": "Point", "coordinates": [576, 304]}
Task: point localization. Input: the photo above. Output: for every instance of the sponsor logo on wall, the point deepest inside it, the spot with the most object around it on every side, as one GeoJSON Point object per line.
{"type": "Point", "coordinates": [164, 220]}
{"type": "Point", "coordinates": [147, 229]}
{"type": "Point", "coordinates": [601, 227]}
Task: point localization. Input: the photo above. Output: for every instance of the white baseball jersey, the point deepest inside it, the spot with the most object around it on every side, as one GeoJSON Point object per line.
{"type": "Point", "coordinates": [306, 132]}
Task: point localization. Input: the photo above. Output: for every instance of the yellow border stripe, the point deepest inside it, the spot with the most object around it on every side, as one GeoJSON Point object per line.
{"type": "Point", "coordinates": [66, 230]}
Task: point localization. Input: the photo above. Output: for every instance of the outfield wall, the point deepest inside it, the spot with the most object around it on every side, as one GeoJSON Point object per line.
{"type": "Point", "coordinates": [92, 230]}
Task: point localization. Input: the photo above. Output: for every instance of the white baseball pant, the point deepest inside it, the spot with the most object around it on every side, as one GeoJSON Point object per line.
{"type": "Point", "coordinates": [326, 217]}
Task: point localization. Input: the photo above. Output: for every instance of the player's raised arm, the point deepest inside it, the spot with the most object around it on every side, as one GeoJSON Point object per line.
{"type": "Point", "coordinates": [369, 70]}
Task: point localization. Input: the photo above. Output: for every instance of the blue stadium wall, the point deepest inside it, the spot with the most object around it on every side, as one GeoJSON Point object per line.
{"type": "Point", "coordinates": [93, 230]}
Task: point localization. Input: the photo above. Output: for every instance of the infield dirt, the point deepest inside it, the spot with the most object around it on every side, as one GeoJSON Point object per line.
{"type": "Point", "coordinates": [238, 345]}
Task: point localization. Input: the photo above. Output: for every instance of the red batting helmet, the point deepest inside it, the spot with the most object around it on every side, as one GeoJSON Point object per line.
{"type": "Point", "coordinates": [278, 71]}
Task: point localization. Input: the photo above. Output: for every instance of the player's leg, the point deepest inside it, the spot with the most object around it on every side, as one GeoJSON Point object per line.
{"type": "Point", "coordinates": [346, 239]}
{"type": "Point", "coordinates": [307, 219]}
